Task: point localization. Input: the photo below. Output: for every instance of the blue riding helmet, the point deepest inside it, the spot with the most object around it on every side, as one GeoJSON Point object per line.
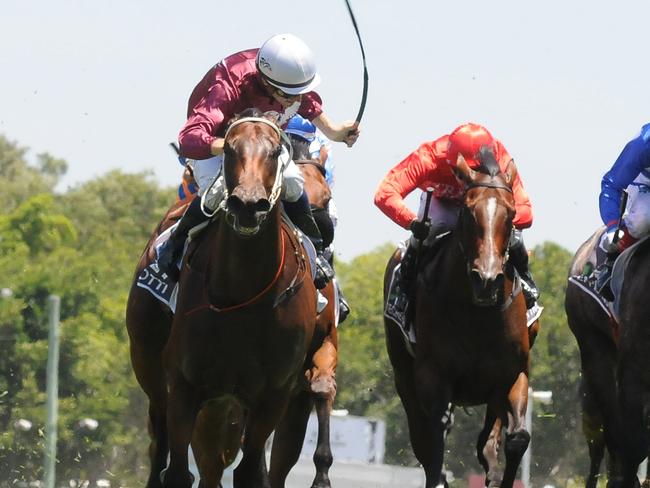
{"type": "Point", "coordinates": [301, 127]}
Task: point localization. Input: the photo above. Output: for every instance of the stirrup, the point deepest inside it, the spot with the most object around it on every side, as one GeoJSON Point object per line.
{"type": "Point", "coordinates": [321, 302]}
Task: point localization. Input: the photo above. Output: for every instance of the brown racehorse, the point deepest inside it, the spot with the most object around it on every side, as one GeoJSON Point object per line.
{"type": "Point", "coordinates": [245, 318]}
{"type": "Point", "coordinates": [615, 384]}
{"type": "Point", "coordinates": [322, 360]}
{"type": "Point", "coordinates": [472, 340]}
{"type": "Point", "coordinates": [148, 323]}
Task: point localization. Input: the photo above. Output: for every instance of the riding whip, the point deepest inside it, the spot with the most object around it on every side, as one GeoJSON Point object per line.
{"type": "Point", "coordinates": [364, 96]}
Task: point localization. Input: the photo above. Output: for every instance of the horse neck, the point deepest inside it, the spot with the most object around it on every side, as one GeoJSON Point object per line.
{"type": "Point", "coordinates": [239, 267]}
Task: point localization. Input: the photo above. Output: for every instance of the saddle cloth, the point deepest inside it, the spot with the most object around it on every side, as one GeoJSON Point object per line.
{"type": "Point", "coordinates": [165, 289]}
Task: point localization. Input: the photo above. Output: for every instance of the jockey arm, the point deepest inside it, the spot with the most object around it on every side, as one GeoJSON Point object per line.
{"type": "Point", "coordinates": [347, 132]}
{"type": "Point", "coordinates": [634, 159]}
{"type": "Point", "coordinates": [196, 138]}
{"type": "Point", "coordinates": [402, 180]}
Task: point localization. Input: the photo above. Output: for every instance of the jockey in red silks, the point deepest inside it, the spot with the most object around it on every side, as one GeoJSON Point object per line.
{"type": "Point", "coordinates": [279, 77]}
{"type": "Point", "coordinates": [430, 166]}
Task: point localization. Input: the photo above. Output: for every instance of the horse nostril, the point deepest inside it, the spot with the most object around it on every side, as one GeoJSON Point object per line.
{"type": "Point", "coordinates": [478, 281]}
{"type": "Point", "coordinates": [235, 204]}
{"type": "Point", "coordinates": [499, 281]}
{"type": "Point", "coordinates": [262, 205]}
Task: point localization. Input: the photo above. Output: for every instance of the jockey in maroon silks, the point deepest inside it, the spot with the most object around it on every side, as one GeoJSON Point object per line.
{"type": "Point", "coordinates": [279, 77]}
{"type": "Point", "coordinates": [430, 166]}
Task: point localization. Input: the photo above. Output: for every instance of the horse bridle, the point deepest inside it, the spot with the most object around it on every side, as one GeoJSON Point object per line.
{"type": "Point", "coordinates": [276, 190]}
{"type": "Point", "coordinates": [497, 186]}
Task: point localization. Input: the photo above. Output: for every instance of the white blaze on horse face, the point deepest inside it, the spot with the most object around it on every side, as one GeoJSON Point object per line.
{"type": "Point", "coordinates": [491, 213]}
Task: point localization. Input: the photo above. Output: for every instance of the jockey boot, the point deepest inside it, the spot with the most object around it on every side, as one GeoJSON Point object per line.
{"type": "Point", "coordinates": [407, 269]}
{"type": "Point", "coordinates": [171, 250]}
{"type": "Point", "coordinates": [344, 307]}
{"type": "Point", "coordinates": [519, 259]}
{"type": "Point", "coordinates": [604, 276]}
{"type": "Point", "coordinates": [604, 271]}
{"type": "Point", "coordinates": [300, 214]}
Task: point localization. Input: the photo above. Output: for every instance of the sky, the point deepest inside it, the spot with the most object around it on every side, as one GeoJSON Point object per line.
{"type": "Point", "coordinates": [564, 85]}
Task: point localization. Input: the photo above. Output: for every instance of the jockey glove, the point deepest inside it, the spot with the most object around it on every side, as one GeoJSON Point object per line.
{"type": "Point", "coordinates": [420, 229]}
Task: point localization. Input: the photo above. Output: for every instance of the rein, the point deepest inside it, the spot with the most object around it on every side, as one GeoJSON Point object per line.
{"type": "Point", "coordinates": [316, 165]}
{"type": "Point", "coordinates": [258, 296]}
{"type": "Point", "coordinates": [489, 184]}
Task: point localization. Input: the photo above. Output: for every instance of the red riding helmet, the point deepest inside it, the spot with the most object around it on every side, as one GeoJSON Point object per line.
{"type": "Point", "coordinates": [467, 139]}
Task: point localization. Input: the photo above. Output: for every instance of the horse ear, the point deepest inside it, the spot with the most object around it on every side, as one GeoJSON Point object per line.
{"type": "Point", "coordinates": [462, 171]}
{"type": "Point", "coordinates": [510, 172]}
{"type": "Point", "coordinates": [272, 116]}
{"type": "Point", "coordinates": [322, 157]}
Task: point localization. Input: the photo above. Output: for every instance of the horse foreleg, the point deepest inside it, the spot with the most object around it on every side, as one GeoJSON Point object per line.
{"type": "Point", "coordinates": [158, 448]}
{"type": "Point", "coordinates": [289, 437]}
{"type": "Point", "coordinates": [592, 428]}
{"type": "Point", "coordinates": [323, 388]}
{"type": "Point", "coordinates": [183, 405]}
{"type": "Point", "coordinates": [323, 455]}
{"type": "Point", "coordinates": [517, 438]}
{"type": "Point", "coordinates": [216, 438]}
{"type": "Point", "coordinates": [487, 448]}
{"type": "Point", "coordinates": [262, 420]}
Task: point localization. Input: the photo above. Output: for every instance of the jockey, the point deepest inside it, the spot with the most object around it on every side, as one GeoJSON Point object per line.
{"type": "Point", "coordinates": [278, 77]}
{"type": "Point", "coordinates": [300, 127]}
{"type": "Point", "coordinates": [429, 166]}
{"type": "Point", "coordinates": [631, 171]}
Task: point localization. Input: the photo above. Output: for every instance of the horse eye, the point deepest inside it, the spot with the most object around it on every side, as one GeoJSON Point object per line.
{"type": "Point", "coordinates": [228, 150]}
{"type": "Point", "coordinates": [276, 152]}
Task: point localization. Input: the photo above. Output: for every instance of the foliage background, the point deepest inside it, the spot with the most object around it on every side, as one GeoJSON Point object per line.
{"type": "Point", "coordinates": [83, 243]}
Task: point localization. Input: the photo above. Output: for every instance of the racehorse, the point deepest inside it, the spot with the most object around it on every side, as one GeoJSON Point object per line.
{"type": "Point", "coordinates": [470, 322]}
{"type": "Point", "coordinates": [615, 384]}
{"type": "Point", "coordinates": [244, 320]}
{"type": "Point", "coordinates": [320, 368]}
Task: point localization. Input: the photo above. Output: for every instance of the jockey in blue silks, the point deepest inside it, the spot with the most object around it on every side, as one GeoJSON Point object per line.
{"type": "Point", "coordinates": [630, 172]}
{"type": "Point", "coordinates": [303, 128]}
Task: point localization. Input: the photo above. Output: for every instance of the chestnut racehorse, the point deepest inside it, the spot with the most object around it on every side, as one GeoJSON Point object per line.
{"type": "Point", "coordinates": [320, 368]}
{"type": "Point", "coordinates": [615, 383]}
{"type": "Point", "coordinates": [244, 321]}
{"type": "Point", "coordinates": [470, 321]}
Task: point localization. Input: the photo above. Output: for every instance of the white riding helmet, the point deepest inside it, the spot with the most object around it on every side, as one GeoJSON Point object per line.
{"type": "Point", "coordinates": [287, 63]}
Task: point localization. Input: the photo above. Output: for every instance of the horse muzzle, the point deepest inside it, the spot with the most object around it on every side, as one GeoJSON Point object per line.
{"type": "Point", "coordinates": [487, 290]}
{"type": "Point", "coordinates": [248, 208]}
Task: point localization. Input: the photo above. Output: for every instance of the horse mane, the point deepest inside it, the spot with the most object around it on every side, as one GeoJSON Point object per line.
{"type": "Point", "coordinates": [488, 160]}
{"type": "Point", "coordinates": [249, 112]}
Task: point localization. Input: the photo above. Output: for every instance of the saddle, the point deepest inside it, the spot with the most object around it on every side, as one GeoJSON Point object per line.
{"type": "Point", "coordinates": [586, 278]}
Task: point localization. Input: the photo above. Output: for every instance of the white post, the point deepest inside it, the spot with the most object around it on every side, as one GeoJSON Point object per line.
{"type": "Point", "coordinates": [52, 392]}
{"type": "Point", "coordinates": [545, 397]}
{"type": "Point", "coordinates": [525, 461]}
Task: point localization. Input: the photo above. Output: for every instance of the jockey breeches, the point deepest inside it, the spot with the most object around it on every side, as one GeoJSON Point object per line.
{"type": "Point", "coordinates": [443, 214]}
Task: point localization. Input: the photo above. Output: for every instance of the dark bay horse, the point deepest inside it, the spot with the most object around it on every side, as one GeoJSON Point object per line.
{"type": "Point", "coordinates": [320, 367]}
{"type": "Point", "coordinates": [615, 383]}
{"type": "Point", "coordinates": [472, 340]}
{"type": "Point", "coordinates": [244, 320]}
